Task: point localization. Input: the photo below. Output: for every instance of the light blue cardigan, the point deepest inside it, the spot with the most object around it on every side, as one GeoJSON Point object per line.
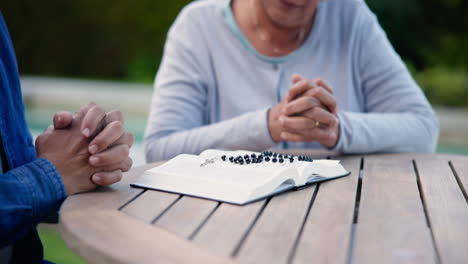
{"type": "Point", "coordinates": [213, 90]}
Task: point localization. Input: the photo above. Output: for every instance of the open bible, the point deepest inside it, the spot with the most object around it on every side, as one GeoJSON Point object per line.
{"type": "Point", "coordinates": [214, 175]}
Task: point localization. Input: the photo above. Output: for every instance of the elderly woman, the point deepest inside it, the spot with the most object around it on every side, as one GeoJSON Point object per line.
{"type": "Point", "coordinates": [260, 74]}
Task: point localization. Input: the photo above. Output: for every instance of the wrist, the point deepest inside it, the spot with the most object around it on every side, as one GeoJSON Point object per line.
{"type": "Point", "coordinates": [45, 188]}
{"type": "Point", "coordinates": [274, 126]}
{"type": "Point", "coordinates": [334, 137]}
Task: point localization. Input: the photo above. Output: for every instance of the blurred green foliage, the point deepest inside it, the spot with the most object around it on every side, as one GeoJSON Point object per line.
{"type": "Point", "coordinates": [432, 37]}
{"type": "Point", "coordinates": [443, 86]}
{"type": "Point", "coordinates": [104, 39]}
{"type": "Point", "coordinates": [427, 33]}
{"type": "Point", "coordinates": [124, 40]}
{"type": "Point", "coordinates": [55, 249]}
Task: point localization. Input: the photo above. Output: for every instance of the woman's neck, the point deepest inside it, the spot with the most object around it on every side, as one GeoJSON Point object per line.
{"type": "Point", "coordinates": [264, 34]}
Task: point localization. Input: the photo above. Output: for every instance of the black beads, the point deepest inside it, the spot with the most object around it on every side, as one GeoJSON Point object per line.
{"type": "Point", "coordinates": [237, 160]}
{"type": "Point", "coordinates": [260, 158]}
{"type": "Point", "coordinates": [304, 158]}
{"type": "Point", "coordinates": [265, 156]}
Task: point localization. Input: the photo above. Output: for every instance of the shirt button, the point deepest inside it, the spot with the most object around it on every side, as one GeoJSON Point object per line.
{"type": "Point", "coordinates": [275, 67]}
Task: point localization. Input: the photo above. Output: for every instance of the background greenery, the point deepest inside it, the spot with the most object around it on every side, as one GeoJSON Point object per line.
{"type": "Point", "coordinates": [123, 40]}
{"type": "Point", "coordinates": [55, 248]}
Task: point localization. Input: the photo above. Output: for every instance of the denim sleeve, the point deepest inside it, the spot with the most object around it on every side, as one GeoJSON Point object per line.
{"type": "Point", "coordinates": [397, 116]}
{"type": "Point", "coordinates": [28, 194]}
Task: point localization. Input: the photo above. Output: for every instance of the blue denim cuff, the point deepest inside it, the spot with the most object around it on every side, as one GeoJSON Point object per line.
{"type": "Point", "coordinates": [46, 191]}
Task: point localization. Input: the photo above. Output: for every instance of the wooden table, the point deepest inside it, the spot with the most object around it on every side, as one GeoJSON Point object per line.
{"type": "Point", "coordinates": [393, 208]}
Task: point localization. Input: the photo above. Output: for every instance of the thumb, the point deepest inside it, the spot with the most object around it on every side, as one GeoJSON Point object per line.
{"type": "Point", "coordinates": [62, 119]}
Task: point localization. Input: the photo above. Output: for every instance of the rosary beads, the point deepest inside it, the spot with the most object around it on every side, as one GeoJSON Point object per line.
{"type": "Point", "coordinates": [266, 156]}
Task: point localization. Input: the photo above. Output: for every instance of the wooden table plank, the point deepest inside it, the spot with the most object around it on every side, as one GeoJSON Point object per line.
{"type": "Point", "coordinates": [273, 236]}
{"type": "Point", "coordinates": [391, 225]}
{"type": "Point", "coordinates": [110, 236]}
{"type": "Point", "coordinates": [113, 196]}
{"type": "Point", "coordinates": [149, 205]}
{"type": "Point", "coordinates": [327, 231]}
{"type": "Point", "coordinates": [186, 215]}
{"type": "Point", "coordinates": [461, 170]}
{"type": "Point", "coordinates": [446, 207]}
{"type": "Point", "coordinates": [225, 229]}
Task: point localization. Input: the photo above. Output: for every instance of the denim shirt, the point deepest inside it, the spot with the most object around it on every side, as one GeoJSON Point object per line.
{"type": "Point", "coordinates": [30, 188]}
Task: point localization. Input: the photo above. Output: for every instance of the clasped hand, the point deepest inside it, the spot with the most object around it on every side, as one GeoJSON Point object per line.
{"type": "Point", "coordinates": [307, 113]}
{"type": "Point", "coordinates": [88, 149]}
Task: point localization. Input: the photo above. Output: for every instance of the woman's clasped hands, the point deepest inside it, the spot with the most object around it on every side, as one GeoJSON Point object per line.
{"type": "Point", "coordinates": [306, 114]}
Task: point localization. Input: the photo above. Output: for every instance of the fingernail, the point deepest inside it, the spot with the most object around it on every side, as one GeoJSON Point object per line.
{"type": "Point", "coordinates": [86, 132]}
{"type": "Point", "coordinates": [96, 178]}
{"type": "Point", "coordinates": [93, 149]}
{"type": "Point", "coordinates": [94, 160]}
